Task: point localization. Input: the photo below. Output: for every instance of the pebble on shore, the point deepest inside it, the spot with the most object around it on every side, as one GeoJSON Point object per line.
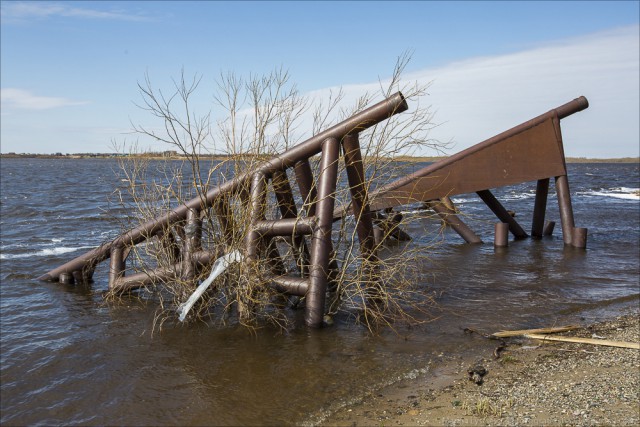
{"type": "Point", "coordinates": [532, 383]}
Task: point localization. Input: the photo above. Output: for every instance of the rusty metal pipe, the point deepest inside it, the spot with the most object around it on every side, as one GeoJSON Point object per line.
{"type": "Point", "coordinates": [321, 241]}
{"type": "Point", "coordinates": [116, 266]}
{"type": "Point", "coordinates": [285, 227]}
{"type": "Point", "coordinates": [548, 228]}
{"type": "Point", "coordinates": [539, 208]}
{"type": "Point", "coordinates": [496, 207]}
{"type": "Point", "coordinates": [454, 222]}
{"type": "Point", "coordinates": [571, 107]}
{"type": "Point", "coordinates": [304, 178]}
{"type": "Point", "coordinates": [288, 209]}
{"type": "Point", "coordinates": [566, 211]}
{"type": "Point", "coordinates": [579, 238]}
{"type": "Point", "coordinates": [501, 238]}
{"type": "Point", "coordinates": [192, 242]}
{"type": "Point", "coordinates": [359, 199]}
{"type": "Point", "coordinates": [290, 285]}
{"type": "Point", "coordinates": [257, 206]}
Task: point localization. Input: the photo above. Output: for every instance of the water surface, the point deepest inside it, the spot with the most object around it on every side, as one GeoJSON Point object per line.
{"type": "Point", "coordinates": [68, 357]}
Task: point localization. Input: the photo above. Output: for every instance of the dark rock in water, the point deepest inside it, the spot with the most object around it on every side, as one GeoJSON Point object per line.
{"type": "Point", "coordinates": [476, 373]}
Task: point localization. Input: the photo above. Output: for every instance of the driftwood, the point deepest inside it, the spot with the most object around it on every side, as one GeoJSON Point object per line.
{"type": "Point", "coordinates": [505, 334]}
{"type": "Point", "coordinates": [593, 341]}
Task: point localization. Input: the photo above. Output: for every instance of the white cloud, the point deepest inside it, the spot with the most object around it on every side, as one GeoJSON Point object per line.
{"type": "Point", "coordinates": [21, 99]}
{"type": "Point", "coordinates": [481, 97]}
{"type": "Point", "coordinates": [22, 11]}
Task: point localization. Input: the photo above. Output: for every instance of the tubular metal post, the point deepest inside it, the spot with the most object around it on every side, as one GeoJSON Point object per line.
{"type": "Point", "coordinates": [321, 242]}
{"type": "Point", "coordinates": [548, 228]}
{"type": "Point", "coordinates": [501, 238]}
{"type": "Point", "coordinates": [284, 194]}
{"type": "Point", "coordinates": [291, 285]}
{"type": "Point", "coordinates": [256, 206]}
{"type": "Point", "coordinates": [192, 242]}
{"type": "Point", "coordinates": [359, 200]}
{"type": "Point", "coordinates": [304, 178]}
{"type": "Point", "coordinates": [454, 222]}
{"type": "Point", "coordinates": [539, 208]}
{"type": "Point", "coordinates": [579, 238]}
{"type": "Point", "coordinates": [116, 265]}
{"type": "Point", "coordinates": [566, 211]}
{"type": "Point", "coordinates": [193, 232]}
{"type": "Point", "coordinates": [496, 207]}
{"type": "Point", "coordinates": [288, 210]}
{"type": "Point", "coordinates": [285, 227]}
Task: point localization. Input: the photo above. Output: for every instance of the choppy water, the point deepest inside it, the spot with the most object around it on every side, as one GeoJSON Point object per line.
{"type": "Point", "coordinates": [69, 358]}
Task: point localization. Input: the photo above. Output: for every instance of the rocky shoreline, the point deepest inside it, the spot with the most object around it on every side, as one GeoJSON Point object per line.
{"type": "Point", "coordinates": [531, 383]}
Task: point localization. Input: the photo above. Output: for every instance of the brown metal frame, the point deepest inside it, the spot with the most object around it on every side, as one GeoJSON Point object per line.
{"type": "Point", "coordinates": [317, 223]}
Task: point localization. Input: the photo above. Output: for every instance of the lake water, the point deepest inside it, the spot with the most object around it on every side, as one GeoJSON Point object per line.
{"type": "Point", "coordinates": [68, 357]}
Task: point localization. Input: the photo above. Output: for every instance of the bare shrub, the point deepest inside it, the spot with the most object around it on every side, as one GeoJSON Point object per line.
{"type": "Point", "coordinates": [263, 116]}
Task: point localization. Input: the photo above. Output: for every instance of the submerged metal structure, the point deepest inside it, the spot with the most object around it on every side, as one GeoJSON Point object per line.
{"type": "Point", "coordinates": [531, 151]}
{"type": "Point", "coordinates": [317, 222]}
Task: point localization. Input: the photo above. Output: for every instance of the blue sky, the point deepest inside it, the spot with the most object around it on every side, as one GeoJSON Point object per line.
{"type": "Point", "coordinates": [69, 70]}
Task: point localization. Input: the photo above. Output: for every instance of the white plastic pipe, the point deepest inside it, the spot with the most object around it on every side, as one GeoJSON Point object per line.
{"type": "Point", "coordinates": [219, 266]}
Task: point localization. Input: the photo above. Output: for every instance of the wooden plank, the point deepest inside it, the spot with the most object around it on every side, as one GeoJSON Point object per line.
{"type": "Point", "coordinates": [593, 341]}
{"type": "Point", "coordinates": [505, 334]}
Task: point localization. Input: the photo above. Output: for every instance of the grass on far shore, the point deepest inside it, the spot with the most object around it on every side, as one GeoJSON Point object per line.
{"type": "Point", "coordinates": [174, 156]}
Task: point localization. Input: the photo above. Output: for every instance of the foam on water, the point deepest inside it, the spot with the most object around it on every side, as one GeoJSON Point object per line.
{"type": "Point", "coordinates": [626, 193]}
{"type": "Point", "coordinates": [44, 252]}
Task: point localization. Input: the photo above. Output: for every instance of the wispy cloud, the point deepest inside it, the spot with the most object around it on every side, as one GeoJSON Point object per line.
{"type": "Point", "coordinates": [21, 99]}
{"type": "Point", "coordinates": [24, 11]}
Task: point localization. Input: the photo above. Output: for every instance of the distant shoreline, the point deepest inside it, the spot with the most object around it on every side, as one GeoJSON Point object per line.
{"type": "Point", "coordinates": [174, 156]}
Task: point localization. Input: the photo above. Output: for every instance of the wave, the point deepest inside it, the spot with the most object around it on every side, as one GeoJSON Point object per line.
{"type": "Point", "coordinates": [44, 252]}
{"type": "Point", "coordinates": [625, 193]}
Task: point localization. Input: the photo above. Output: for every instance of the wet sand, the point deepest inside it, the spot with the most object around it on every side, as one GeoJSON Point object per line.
{"type": "Point", "coordinates": [531, 383]}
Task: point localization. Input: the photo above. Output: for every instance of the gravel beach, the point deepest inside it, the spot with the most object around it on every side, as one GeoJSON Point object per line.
{"type": "Point", "coordinates": [531, 383]}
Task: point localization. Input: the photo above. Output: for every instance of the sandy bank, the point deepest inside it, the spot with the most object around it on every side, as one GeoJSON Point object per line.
{"type": "Point", "coordinates": [532, 383]}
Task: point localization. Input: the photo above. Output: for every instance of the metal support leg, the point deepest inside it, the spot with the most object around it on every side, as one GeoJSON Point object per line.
{"type": "Point", "coordinates": [116, 265]}
{"type": "Point", "coordinates": [304, 178]}
{"type": "Point", "coordinates": [192, 243]}
{"type": "Point", "coordinates": [257, 206]}
{"type": "Point", "coordinates": [359, 199]}
{"type": "Point", "coordinates": [496, 207]}
{"type": "Point", "coordinates": [454, 222]}
{"type": "Point", "coordinates": [566, 211]}
{"type": "Point", "coordinates": [321, 242]}
{"type": "Point", "coordinates": [539, 209]}
{"type": "Point", "coordinates": [284, 195]}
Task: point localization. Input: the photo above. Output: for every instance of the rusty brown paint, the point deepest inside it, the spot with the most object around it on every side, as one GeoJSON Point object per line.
{"type": "Point", "coordinates": [527, 152]}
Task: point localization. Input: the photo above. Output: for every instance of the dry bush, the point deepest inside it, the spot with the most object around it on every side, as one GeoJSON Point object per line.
{"type": "Point", "coordinates": [263, 116]}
